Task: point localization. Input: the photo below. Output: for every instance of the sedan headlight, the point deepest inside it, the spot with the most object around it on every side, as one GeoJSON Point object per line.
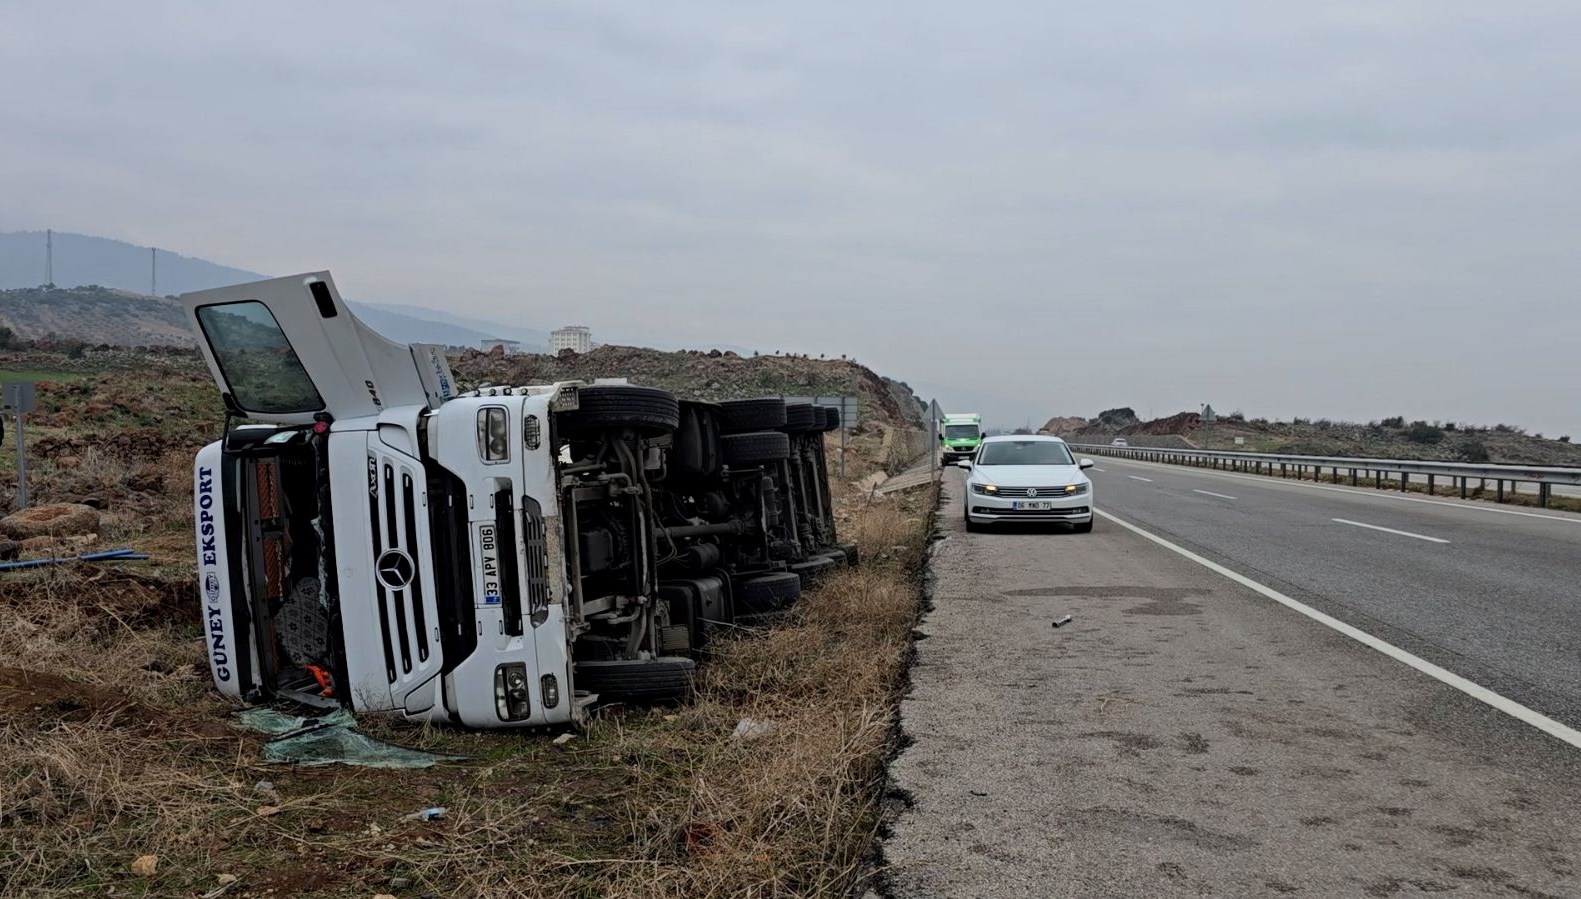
{"type": "Point", "coordinates": [984, 488]}
{"type": "Point", "coordinates": [1074, 489]}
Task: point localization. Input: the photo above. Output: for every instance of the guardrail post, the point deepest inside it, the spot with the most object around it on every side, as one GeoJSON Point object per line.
{"type": "Point", "coordinates": [1353, 477]}
{"type": "Point", "coordinates": [1463, 487]}
{"type": "Point", "coordinates": [1430, 486]}
{"type": "Point", "coordinates": [1377, 479]}
{"type": "Point", "coordinates": [1543, 491]}
{"type": "Point", "coordinates": [1500, 497]}
{"type": "Point", "coordinates": [1405, 479]}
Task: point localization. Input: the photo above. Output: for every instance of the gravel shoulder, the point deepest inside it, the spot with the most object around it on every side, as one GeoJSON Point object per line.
{"type": "Point", "coordinates": [1184, 736]}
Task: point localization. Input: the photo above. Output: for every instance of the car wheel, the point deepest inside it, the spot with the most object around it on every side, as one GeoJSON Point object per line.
{"type": "Point", "coordinates": [972, 527]}
{"type": "Point", "coordinates": [1084, 527]}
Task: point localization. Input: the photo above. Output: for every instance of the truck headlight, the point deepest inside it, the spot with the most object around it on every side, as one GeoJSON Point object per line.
{"type": "Point", "coordinates": [550, 691]}
{"type": "Point", "coordinates": [510, 692]}
{"type": "Point", "coordinates": [493, 434]}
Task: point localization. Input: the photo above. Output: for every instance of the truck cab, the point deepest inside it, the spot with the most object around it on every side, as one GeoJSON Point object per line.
{"type": "Point", "coordinates": [370, 537]}
{"type": "Point", "coordinates": [960, 434]}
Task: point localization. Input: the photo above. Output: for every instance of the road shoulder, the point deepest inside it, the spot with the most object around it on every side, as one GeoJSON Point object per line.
{"type": "Point", "coordinates": [1183, 735]}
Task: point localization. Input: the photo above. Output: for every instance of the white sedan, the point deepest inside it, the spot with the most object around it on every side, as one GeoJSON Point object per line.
{"type": "Point", "coordinates": [1027, 478]}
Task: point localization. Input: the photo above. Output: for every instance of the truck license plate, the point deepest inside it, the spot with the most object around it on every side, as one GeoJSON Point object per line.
{"type": "Point", "coordinates": [488, 547]}
{"type": "Point", "coordinates": [1032, 505]}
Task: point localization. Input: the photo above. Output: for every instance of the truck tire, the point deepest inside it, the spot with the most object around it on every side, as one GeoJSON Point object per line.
{"type": "Point", "coordinates": [638, 681]}
{"type": "Point", "coordinates": [603, 406]}
{"type": "Point", "coordinates": [755, 448]}
{"type": "Point", "coordinates": [738, 416]}
{"type": "Point", "coordinates": [853, 556]}
{"type": "Point", "coordinates": [813, 570]}
{"type": "Point", "coordinates": [799, 418]}
{"type": "Point", "coordinates": [831, 418]}
{"type": "Point", "coordinates": [760, 593]}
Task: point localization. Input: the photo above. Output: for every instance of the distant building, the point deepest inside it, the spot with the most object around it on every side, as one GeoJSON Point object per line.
{"type": "Point", "coordinates": [508, 347]}
{"type": "Point", "coordinates": [576, 338]}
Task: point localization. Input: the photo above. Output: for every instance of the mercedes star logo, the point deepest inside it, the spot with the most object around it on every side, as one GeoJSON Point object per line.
{"type": "Point", "coordinates": [395, 569]}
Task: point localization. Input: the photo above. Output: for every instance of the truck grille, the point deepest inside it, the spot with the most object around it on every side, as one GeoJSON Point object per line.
{"type": "Point", "coordinates": [397, 559]}
{"type": "Point", "coordinates": [536, 540]}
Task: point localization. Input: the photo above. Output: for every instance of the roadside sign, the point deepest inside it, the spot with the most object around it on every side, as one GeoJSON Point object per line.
{"type": "Point", "coordinates": [19, 397]}
{"type": "Point", "coordinates": [1240, 441]}
{"type": "Point", "coordinates": [846, 404]}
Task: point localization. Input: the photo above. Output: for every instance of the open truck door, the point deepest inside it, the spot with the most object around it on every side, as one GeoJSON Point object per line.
{"type": "Point", "coordinates": [287, 350]}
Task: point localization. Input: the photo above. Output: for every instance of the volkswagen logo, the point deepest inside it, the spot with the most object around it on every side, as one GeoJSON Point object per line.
{"type": "Point", "coordinates": [1032, 491]}
{"type": "Point", "coordinates": [395, 569]}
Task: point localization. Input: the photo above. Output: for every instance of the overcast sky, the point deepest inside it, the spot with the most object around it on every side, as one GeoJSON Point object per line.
{"type": "Point", "coordinates": [1344, 209]}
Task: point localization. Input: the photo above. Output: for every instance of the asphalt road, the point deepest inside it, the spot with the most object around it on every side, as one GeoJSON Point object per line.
{"type": "Point", "coordinates": [1497, 602]}
{"type": "Point", "coordinates": [1184, 735]}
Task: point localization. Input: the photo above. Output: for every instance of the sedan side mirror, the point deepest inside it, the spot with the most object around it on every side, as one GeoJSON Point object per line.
{"type": "Point", "coordinates": [1087, 463]}
{"type": "Point", "coordinates": [964, 463]}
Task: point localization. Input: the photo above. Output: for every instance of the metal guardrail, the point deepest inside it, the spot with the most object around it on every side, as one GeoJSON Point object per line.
{"type": "Point", "coordinates": [1457, 473]}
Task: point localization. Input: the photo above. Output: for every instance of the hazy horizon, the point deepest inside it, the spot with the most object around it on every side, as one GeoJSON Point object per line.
{"type": "Point", "coordinates": [1347, 210]}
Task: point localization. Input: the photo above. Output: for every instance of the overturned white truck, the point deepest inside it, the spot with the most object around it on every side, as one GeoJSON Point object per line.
{"type": "Point", "coordinates": [372, 538]}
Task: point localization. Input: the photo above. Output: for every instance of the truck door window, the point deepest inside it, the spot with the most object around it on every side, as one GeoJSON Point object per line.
{"type": "Point", "coordinates": [259, 366]}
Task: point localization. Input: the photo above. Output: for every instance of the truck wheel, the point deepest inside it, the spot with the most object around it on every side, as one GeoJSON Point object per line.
{"type": "Point", "coordinates": [638, 681]}
{"type": "Point", "coordinates": [853, 556]}
{"type": "Point", "coordinates": [812, 571]}
{"type": "Point", "coordinates": [737, 416]}
{"type": "Point", "coordinates": [799, 418]}
{"type": "Point", "coordinates": [602, 406]}
{"type": "Point", "coordinates": [755, 448]}
{"type": "Point", "coordinates": [760, 593]}
{"type": "Point", "coordinates": [831, 417]}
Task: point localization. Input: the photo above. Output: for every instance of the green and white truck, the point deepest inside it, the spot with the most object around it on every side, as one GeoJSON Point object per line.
{"type": "Point", "coordinates": [960, 434]}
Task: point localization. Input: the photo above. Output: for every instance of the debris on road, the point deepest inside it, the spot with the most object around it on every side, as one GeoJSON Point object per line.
{"type": "Point", "coordinates": [145, 865]}
{"type": "Point", "coordinates": [563, 739]}
{"type": "Point", "coordinates": [427, 814]}
{"type": "Point", "coordinates": [1062, 621]}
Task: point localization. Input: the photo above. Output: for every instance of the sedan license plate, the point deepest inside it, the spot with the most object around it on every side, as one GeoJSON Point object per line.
{"type": "Point", "coordinates": [1032, 505]}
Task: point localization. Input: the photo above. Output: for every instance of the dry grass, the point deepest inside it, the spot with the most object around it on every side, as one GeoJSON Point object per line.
{"type": "Point", "coordinates": [123, 755]}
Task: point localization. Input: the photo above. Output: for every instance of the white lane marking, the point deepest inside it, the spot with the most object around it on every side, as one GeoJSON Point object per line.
{"type": "Point", "coordinates": [1135, 478]}
{"type": "Point", "coordinates": [1095, 468]}
{"type": "Point", "coordinates": [1373, 527]}
{"type": "Point", "coordinates": [1211, 493]}
{"type": "Point", "coordinates": [1268, 480]}
{"type": "Point", "coordinates": [1475, 691]}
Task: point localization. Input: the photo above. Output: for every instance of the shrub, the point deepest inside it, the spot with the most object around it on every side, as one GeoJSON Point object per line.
{"type": "Point", "coordinates": [1474, 451]}
{"type": "Point", "coordinates": [1565, 438]}
{"type": "Point", "coordinates": [1422, 432]}
{"type": "Point", "coordinates": [1397, 421]}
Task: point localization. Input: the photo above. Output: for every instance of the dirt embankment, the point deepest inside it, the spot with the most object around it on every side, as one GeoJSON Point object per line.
{"type": "Point", "coordinates": [711, 375]}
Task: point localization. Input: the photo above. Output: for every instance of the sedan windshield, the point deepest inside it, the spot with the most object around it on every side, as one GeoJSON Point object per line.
{"type": "Point", "coordinates": [1024, 452]}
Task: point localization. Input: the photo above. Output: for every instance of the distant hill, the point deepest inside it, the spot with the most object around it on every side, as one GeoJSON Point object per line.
{"type": "Point", "coordinates": [1391, 438]}
{"type": "Point", "coordinates": [82, 259]}
{"type": "Point", "coordinates": [95, 315]}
